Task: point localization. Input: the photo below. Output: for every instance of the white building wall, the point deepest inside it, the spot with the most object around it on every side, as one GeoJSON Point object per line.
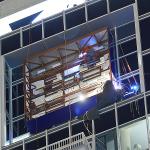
{"type": "Point", "coordinates": [9, 7]}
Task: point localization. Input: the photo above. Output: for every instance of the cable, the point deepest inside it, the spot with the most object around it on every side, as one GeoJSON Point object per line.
{"type": "Point", "coordinates": [128, 66]}
{"type": "Point", "coordinates": [90, 133]}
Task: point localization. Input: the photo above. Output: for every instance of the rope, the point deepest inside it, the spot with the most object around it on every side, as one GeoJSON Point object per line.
{"type": "Point", "coordinates": [90, 133]}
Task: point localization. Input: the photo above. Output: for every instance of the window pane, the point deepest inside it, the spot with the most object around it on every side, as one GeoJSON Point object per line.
{"type": "Point", "coordinates": [17, 73]}
{"type": "Point", "coordinates": [145, 32]}
{"type": "Point", "coordinates": [131, 111]}
{"type": "Point", "coordinates": [75, 18]}
{"type": "Point", "coordinates": [148, 103]}
{"type": "Point", "coordinates": [128, 63]}
{"type": "Point", "coordinates": [107, 141]}
{"type": "Point", "coordinates": [143, 6]}
{"type": "Point", "coordinates": [82, 127]}
{"type": "Point", "coordinates": [18, 107]}
{"type": "Point", "coordinates": [7, 132]}
{"type": "Point", "coordinates": [134, 136]}
{"type": "Point", "coordinates": [19, 128]}
{"type": "Point", "coordinates": [34, 145]}
{"type": "Point", "coordinates": [116, 4]}
{"type": "Point", "coordinates": [32, 35]}
{"type": "Point", "coordinates": [17, 90]}
{"type": "Point", "coordinates": [53, 26]}
{"type": "Point", "coordinates": [57, 136]}
{"type": "Point", "coordinates": [127, 47]}
{"type": "Point", "coordinates": [11, 43]}
{"type": "Point", "coordinates": [146, 71]}
{"type": "Point", "coordinates": [101, 124]}
{"type": "Point", "coordinates": [97, 9]}
{"type": "Point", "coordinates": [126, 30]}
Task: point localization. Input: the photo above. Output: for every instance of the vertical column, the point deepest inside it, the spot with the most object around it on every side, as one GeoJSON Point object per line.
{"type": "Point", "coordinates": [70, 132]}
{"type": "Point", "coordinates": [108, 6]}
{"type": "Point", "coordinates": [86, 12]}
{"type": "Point", "coordinates": [0, 47]}
{"type": "Point", "coordinates": [64, 20]}
{"type": "Point", "coordinates": [70, 128]}
{"type": "Point", "coordinates": [139, 47]}
{"type": "Point", "coordinates": [43, 34]}
{"type": "Point", "coordinates": [10, 108]}
{"type": "Point", "coordinates": [117, 128]}
{"type": "Point", "coordinates": [140, 63]}
{"type": "Point", "coordinates": [21, 37]}
{"type": "Point", "coordinates": [93, 140]}
{"type": "Point", "coordinates": [2, 103]}
{"type": "Point", "coordinates": [23, 143]}
{"type": "Point", "coordinates": [117, 53]}
{"type": "Point", "coordinates": [46, 135]}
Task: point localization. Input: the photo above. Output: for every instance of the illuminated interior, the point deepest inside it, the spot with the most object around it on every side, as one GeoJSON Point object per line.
{"type": "Point", "coordinates": [57, 77]}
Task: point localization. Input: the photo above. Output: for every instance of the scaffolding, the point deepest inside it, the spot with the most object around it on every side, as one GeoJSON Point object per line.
{"type": "Point", "coordinates": [55, 77]}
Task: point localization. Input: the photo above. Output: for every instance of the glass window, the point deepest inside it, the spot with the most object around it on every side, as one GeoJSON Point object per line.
{"type": "Point", "coordinates": [53, 26]}
{"type": "Point", "coordinates": [82, 127]}
{"type": "Point", "coordinates": [126, 30]}
{"type": "Point", "coordinates": [145, 32]}
{"type": "Point", "coordinates": [17, 90]}
{"type": "Point", "coordinates": [134, 136]}
{"type": "Point", "coordinates": [131, 111]}
{"type": "Point", "coordinates": [117, 4]}
{"type": "Point", "coordinates": [32, 35]}
{"type": "Point", "coordinates": [7, 94]}
{"type": "Point", "coordinates": [146, 71]}
{"type": "Point", "coordinates": [75, 18]}
{"type": "Point", "coordinates": [148, 103]}
{"type": "Point", "coordinates": [102, 124]}
{"type": "Point", "coordinates": [11, 43]}
{"type": "Point", "coordinates": [97, 9]}
{"type": "Point", "coordinates": [34, 145]}
{"type": "Point", "coordinates": [57, 136]}
{"type": "Point", "coordinates": [128, 64]}
{"type": "Point", "coordinates": [127, 47]}
{"type": "Point", "coordinates": [143, 6]}
{"type": "Point", "coordinates": [107, 141]}
{"type": "Point", "coordinates": [18, 106]}
{"type": "Point", "coordinates": [17, 73]}
{"type": "Point", "coordinates": [19, 128]}
{"type": "Point", "coordinates": [7, 132]}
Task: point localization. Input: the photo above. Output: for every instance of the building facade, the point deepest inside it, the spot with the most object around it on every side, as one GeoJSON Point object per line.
{"type": "Point", "coordinates": [123, 125]}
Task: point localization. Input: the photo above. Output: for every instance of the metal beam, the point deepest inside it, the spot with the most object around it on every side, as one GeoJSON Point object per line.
{"type": "Point", "coordinates": [2, 103]}
{"type": "Point", "coordinates": [117, 127]}
{"type": "Point", "coordinates": [10, 107]}
{"type": "Point", "coordinates": [140, 63]}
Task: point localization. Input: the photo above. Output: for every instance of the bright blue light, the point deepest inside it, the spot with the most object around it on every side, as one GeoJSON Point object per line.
{"type": "Point", "coordinates": [135, 88]}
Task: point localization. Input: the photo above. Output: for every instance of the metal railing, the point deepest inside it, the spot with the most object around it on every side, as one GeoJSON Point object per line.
{"type": "Point", "coordinates": [73, 142]}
